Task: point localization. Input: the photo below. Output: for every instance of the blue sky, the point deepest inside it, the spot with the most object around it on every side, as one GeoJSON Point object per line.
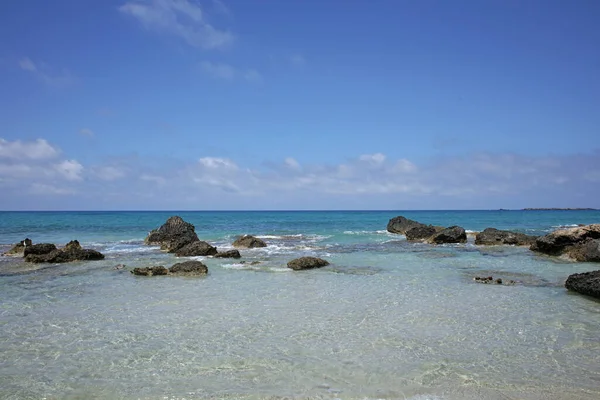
{"type": "Point", "coordinates": [217, 104]}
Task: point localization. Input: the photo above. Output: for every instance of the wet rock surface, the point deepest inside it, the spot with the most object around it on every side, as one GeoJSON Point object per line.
{"type": "Point", "coordinates": [71, 252]}
{"type": "Point", "coordinates": [422, 232]}
{"type": "Point", "coordinates": [563, 240]}
{"type": "Point", "coordinates": [150, 271]}
{"type": "Point", "coordinates": [228, 254]}
{"type": "Point", "coordinates": [307, 263]}
{"type": "Point", "coordinates": [249, 242]}
{"type": "Point", "coordinates": [173, 235]}
{"type": "Point", "coordinates": [401, 224]}
{"type": "Point", "coordinates": [493, 236]}
{"type": "Point", "coordinates": [189, 268]}
{"type": "Point", "coordinates": [587, 283]}
{"type": "Point", "coordinates": [198, 248]}
{"type": "Point", "coordinates": [453, 234]}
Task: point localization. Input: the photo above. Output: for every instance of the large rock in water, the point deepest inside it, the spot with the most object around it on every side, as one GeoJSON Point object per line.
{"type": "Point", "coordinates": [39, 249]}
{"type": "Point", "coordinates": [248, 242]}
{"type": "Point", "coordinates": [71, 252]}
{"type": "Point", "coordinates": [307, 263]}
{"type": "Point", "coordinates": [229, 254]}
{"type": "Point", "coordinates": [563, 240]}
{"type": "Point", "coordinates": [422, 232]}
{"type": "Point", "coordinates": [493, 236]}
{"type": "Point", "coordinates": [452, 234]}
{"type": "Point", "coordinates": [588, 251]}
{"type": "Point", "coordinates": [198, 248]}
{"type": "Point", "coordinates": [19, 248]}
{"type": "Point", "coordinates": [587, 283]}
{"type": "Point", "coordinates": [401, 224]}
{"type": "Point", "coordinates": [173, 235]}
{"type": "Point", "coordinates": [189, 268]}
{"type": "Point", "coordinates": [150, 271]}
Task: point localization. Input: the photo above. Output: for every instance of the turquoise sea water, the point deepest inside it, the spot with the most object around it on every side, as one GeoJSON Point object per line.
{"type": "Point", "coordinates": [387, 319]}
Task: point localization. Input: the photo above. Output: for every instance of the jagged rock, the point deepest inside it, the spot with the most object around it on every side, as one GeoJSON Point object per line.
{"type": "Point", "coordinates": [71, 252]}
{"type": "Point", "coordinates": [189, 268]}
{"type": "Point", "coordinates": [198, 248]}
{"type": "Point", "coordinates": [493, 236]}
{"type": "Point", "coordinates": [453, 234]}
{"type": "Point", "coordinates": [228, 254]}
{"type": "Point", "coordinates": [248, 242]}
{"type": "Point", "coordinates": [587, 283]}
{"type": "Point", "coordinates": [588, 251]}
{"type": "Point", "coordinates": [39, 249]}
{"type": "Point", "coordinates": [422, 232]}
{"type": "Point", "coordinates": [172, 235]}
{"type": "Point", "coordinates": [560, 241]}
{"type": "Point", "coordinates": [401, 224]}
{"type": "Point", "coordinates": [306, 263]}
{"type": "Point", "coordinates": [150, 271]}
{"type": "Point", "coordinates": [19, 248]}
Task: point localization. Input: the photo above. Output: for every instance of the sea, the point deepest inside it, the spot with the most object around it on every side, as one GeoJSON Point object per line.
{"type": "Point", "coordinates": [387, 319]}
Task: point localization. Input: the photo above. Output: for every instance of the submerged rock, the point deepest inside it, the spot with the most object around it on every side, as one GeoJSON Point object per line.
{"type": "Point", "coordinates": [228, 254]}
{"type": "Point", "coordinates": [39, 249]}
{"type": "Point", "coordinates": [198, 248]}
{"type": "Point", "coordinates": [150, 271]}
{"type": "Point", "coordinates": [401, 224]}
{"type": "Point", "coordinates": [19, 248]}
{"type": "Point", "coordinates": [248, 242]}
{"type": "Point", "coordinates": [71, 252]}
{"type": "Point", "coordinates": [587, 283]}
{"type": "Point", "coordinates": [422, 232]}
{"type": "Point", "coordinates": [189, 268]}
{"type": "Point", "coordinates": [493, 236]}
{"type": "Point", "coordinates": [588, 251]}
{"type": "Point", "coordinates": [489, 280]}
{"type": "Point", "coordinates": [563, 240]}
{"type": "Point", "coordinates": [307, 263]}
{"type": "Point", "coordinates": [453, 234]}
{"type": "Point", "coordinates": [173, 235]}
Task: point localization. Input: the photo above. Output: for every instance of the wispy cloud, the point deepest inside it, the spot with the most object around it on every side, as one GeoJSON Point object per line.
{"type": "Point", "coordinates": [181, 18]}
{"type": "Point", "coordinates": [229, 73]}
{"type": "Point", "coordinates": [86, 132]}
{"type": "Point", "coordinates": [38, 149]}
{"type": "Point", "coordinates": [46, 74]}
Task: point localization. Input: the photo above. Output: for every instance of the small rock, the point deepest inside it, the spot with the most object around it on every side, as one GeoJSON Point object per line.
{"type": "Point", "coordinates": [189, 268]}
{"type": "Point", "coordinates": [306, 263]}
{"type": "Point", "coordinates": [150, 271]}
{"type": "Point", "coordinates": [248, 242]}
{"type": "Point", "coordinates": [195, 249]}
{"type": "Point", "coordinates": [453, 234]}
{"type": "Point", "coordinates": [228, 254]}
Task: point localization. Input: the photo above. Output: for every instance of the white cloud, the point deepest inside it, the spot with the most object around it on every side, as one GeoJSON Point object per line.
{"type": "Point", "coordinates": [69, 169]}
{"type": "Point", "coordinates": [86, 132]}
{"type": "Point", "coordinates": [182, 18]}
{"type": "Point", "coordinates": [292, 164]}
{"type": "Point", "coordinates": [36, 150]}
{"type": "Point", "coordinates": [109, 173]}
{"type": "Point", "coordinates": [153, 178]}
{"type": "Point", "coordinates": [373, 159]}
{"type": "Point", "coordinates": [46, 74]}
{"type": "Point", "coordinates": [218, 163]}
{"type": "Point", "coordinates": [45, 189]}
{"type": "Point", "coordinates": [229, 73]}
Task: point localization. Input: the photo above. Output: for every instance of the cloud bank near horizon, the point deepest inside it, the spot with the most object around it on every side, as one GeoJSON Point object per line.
{"type": "Point", "coordinates": [37, 175]}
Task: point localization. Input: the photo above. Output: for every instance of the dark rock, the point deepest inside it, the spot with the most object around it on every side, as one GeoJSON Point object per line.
{"type": "Point", "coordinates": [248, 242]}
{"type": "Point", "coordinates": [453, 234]}
{"type": "Point", "coordinates": [19, 248]}
{"type": "Point", "coordinates": [587, 283]}
{"type": "Point", "coordinates": [228, 254]}
{"type": "Point", "coordinates": [189, 268]}
{"type": "Point", "coordinates": [493, 236]}
{"type": "Point", "coordinates": [560, 241]}
{"type": "Point", "coordinates": [173, 235]}
{"type": "Point", "coordinates": [39, 249]}
{"type": "Point", "coordinates": [198, 248]}
{"type": "Point", "coordinates": [401, 224]}
{"type": "Point", "coordinates": [588, 251]}
{"type": "Point", "coordinates": [422, 232]}
{"type": "Point", "coordinates": [150, 271]}
{"type": "Point", "coordinates": [306, 263]}
{"type": "Point", "coordinates": [71, 252]}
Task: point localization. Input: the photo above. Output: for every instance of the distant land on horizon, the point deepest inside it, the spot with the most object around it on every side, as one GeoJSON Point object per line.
{"type": "Point", "coordinates": [561, 209]}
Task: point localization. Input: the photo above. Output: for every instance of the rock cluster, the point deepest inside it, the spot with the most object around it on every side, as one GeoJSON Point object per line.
{"type": "Point", "coordinates": [490, 280]}
{"type": "Point", "coordinates": [184, 268]}
{"type": "Point", "coordinates": [19, 248]}
{"type": "Point", "coordinates": [48, 253]}
{"type": "Point", "coordinates": [493, 236]}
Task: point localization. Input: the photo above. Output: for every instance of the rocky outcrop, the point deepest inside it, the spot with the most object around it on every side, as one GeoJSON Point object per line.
{"type": "Point", "coordinates": [401, 224]}
{"type": "Point", "coordinates": [493, 236]}
{"type": "Point", "coordinates": [19, 248]}
{"type": "Point", "coordinates": [564, 240]}
{"type": "Point", "coordinates": [588, 251]}
{"type": "Point", "coordinates": [307, 263]}
{"type": "Point", "coordinates": [422, 232]}
{"type": "Point", "coordinates": [248, 242]}
{"type": "Point", "coordinates": [587, 283]}
{"type": "Point", "coordinates": [173, 235]}
{"type": "Point", "coordinates": [453, 234]}
{"type": "Point", "coordinates": [228, 254]}
{"type": "Point", "coordinates": [198, 248]}
{"type": "Point", "coordinates": [38, 249]}
{"type": "Point", "coordinates": [189, 268]}
{"type": "Point", "coordinates": [71, 252]}
{"type": "Point", "coordinates": [150, 271]}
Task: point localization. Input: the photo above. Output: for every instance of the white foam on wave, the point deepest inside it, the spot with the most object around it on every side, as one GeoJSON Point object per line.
{"type": "Point", "coordinates": [565, 226]}
{"type": "Point", "coordinates": [234, 266]}
{"type": "Point", "coordinates": [122, 249]}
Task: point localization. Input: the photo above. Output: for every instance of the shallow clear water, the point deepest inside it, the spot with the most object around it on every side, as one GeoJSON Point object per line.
{"type": "Point", "coordinates": [388, 319]}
